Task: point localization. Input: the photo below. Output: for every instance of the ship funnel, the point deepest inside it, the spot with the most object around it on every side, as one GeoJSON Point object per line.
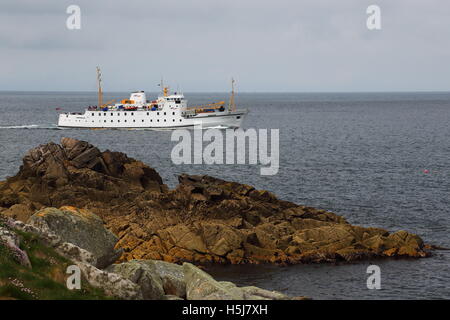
{"type": "Point", "coordinates": [138, 97]}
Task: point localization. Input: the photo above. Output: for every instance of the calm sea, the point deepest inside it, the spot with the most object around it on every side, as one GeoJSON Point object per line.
{"type": "Point", "coordinates": [378, 159]}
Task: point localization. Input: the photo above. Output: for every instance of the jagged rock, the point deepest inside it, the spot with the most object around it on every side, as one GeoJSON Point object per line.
{"type": "Point", "coordinates": [113, 284]}
{"type": "Point", "coordinates": [81, 228]}
{"type": "Point", "coordinates": [203, 220]}
{"type": "Point", "coordinates": [19, 212]}
{"type": "Point", "coordinates": [144, 275]}
{"type": "Point", "coordinates": [171, 275]}
{"type": "Point", "coordinates": [75, 253]}
{"type": "Point", "coordinates": [201, 286]}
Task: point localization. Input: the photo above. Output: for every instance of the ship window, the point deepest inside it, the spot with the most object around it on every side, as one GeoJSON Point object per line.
{"type": "Point", "coordinates": [238, 117]}
{"type": "Point", "coordinates": [112, 113]}
{"type": "Point", "coordinates": [92, 114]}
{"type": "Point", "coordinates": [157, 113]}
{"type": "Point", "coordinates": [173, 113]}
{"type": "Point", "coordinates": [132, 113]}
{"type": "Point", "coordinates": [104, 120]}
{"type": "Point", "coordinates": [118, 120]}
{"type": "Point", "coordinates": [118, 113]}
{"type": "Point", "coordinates": [151, 120]}
{"type": "Point", "coordinates": [164, 120]}
{"type": "Point", "coordinates": [158, 120]}
{"type": "Point", "coordinates": [164, 113]}
{"type": "Point", "coordinates": [142, 120]}
{"type": "Point", "coordinates": [112, 120]}
{"type": "Point", "coordinates": [180, 120]}
{"type": "Point", "coordinates": [99, 114]}
{"type": "Point", "coordinates": [148, 113]}
{"type": "Point", "coordinates": [125, 120]}
{"type": "Point", "coordinates": [104, 114]}
{"type": "Point", "coordinates": [134, 120]}
{"type": "Point", "coordinates": [173, 120]}
{"type": "Point", "coordinates": [125, 113]}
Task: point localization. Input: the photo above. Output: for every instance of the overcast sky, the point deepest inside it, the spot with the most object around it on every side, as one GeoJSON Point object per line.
{"type": "Point", "coordinates": [198, 45]}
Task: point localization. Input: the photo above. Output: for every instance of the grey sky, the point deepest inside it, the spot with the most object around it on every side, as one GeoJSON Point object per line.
{"type": "Point", "coordinates": [283, 45]}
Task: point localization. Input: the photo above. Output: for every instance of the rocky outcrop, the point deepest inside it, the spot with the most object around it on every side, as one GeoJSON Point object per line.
{"type": "Point", "coordinates": [74, 172]}
{"type": "Point", "coordinates": [112, 284]}
{"type": "Point", "coordinates": [203, 220]}
{"type": "Point", "coordinates": [132, 280]}
{"type": "Point", "coordinates": [142, 274]}
{"type": "Point", "coordinates": [82, 228]}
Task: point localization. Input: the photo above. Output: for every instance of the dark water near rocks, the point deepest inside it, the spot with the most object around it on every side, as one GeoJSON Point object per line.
{"type": "Point", "coordinates": [360, 155]}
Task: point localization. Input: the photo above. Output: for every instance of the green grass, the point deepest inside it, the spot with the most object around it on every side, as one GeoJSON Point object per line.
{"type": "Point", "coordinates": [46, 280]}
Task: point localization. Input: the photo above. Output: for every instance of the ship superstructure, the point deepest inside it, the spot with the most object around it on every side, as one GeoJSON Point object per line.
{"type": "Point", "coordinates": [168, 111]}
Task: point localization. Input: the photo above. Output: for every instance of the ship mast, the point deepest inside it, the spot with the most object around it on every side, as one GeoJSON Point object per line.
{"type": "Point", "coordinates": [232, 104]}
{"type": "Point", "coordinates": [99, 84]}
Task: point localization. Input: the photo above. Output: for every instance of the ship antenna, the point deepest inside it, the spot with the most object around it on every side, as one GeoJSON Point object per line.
{"type": "Point", "coordinates": [232, 104]}
{"type": "Point", "coordinates": [99, 83]}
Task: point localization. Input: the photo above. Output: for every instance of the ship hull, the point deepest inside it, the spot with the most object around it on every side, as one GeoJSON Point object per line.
{"type": "Point", "coordinates": [144, 119]}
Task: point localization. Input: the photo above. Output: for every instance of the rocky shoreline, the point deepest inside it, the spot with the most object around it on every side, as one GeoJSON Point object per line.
{"type": "Point", "coordinates": [71, 233]}
{"type": "Point", "coordinates": [203, 220]}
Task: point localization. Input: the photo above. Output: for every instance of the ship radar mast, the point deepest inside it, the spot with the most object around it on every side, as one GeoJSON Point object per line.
{"type": "Point", "coordinates": [165, 90]}
{"type": "Point", "coordinates": [232, 104]}
{"type": "Point", "coordinates": [99, 84]}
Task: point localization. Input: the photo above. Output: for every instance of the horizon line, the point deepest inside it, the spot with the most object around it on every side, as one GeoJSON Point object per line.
{"type": "Point", "coordinates": [237, 92]}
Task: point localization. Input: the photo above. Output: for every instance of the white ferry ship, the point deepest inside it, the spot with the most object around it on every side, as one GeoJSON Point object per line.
{"type": "Point", "coordinates": [168, 111]}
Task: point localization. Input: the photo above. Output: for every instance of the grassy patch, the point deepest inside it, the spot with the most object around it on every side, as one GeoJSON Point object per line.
{"type": "Point", "coordinates": [46, 279]}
